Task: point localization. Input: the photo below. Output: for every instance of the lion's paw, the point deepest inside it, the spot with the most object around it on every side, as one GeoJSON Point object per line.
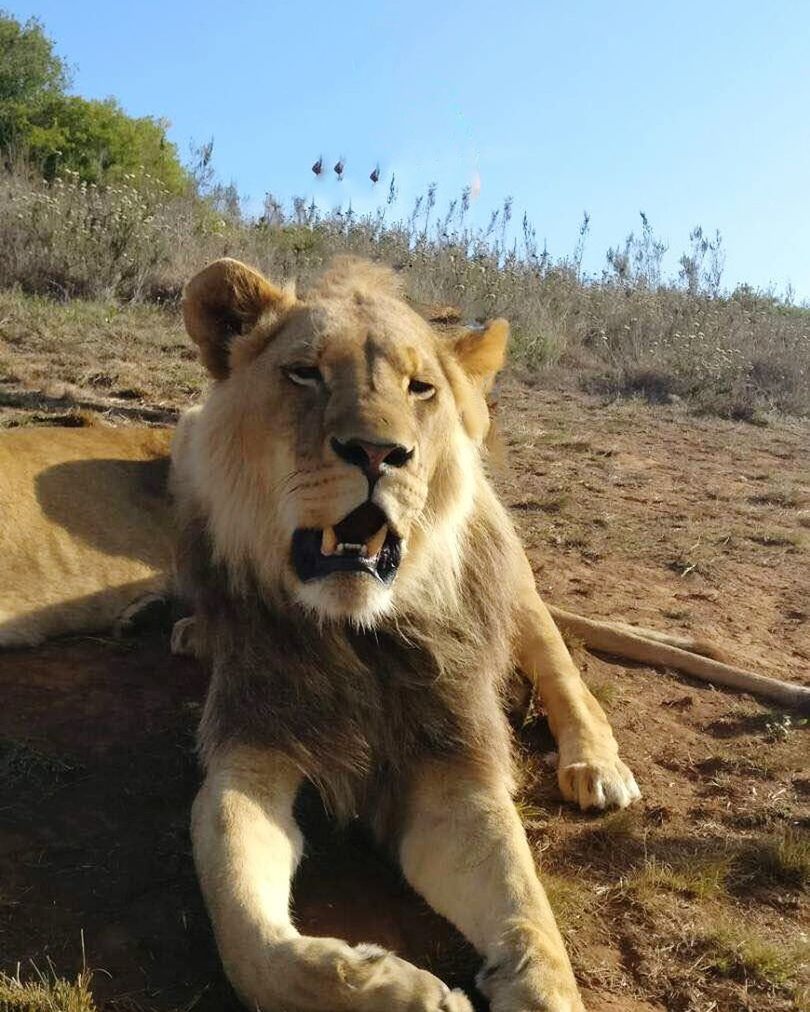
{"type": "Point", "coordinates": [146, 613]}
{"type": "Point", "coordinates": [399, 984]}
{"type": "Point", "coordinates": [521, 983]}
{"type": "Point", "coordinates": [598, 783]}
{"type": "Point", "coordinates": [183, 640]}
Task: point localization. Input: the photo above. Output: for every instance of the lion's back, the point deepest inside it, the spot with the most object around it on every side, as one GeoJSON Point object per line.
{"type": "Point", "coordinates": [84, 526]}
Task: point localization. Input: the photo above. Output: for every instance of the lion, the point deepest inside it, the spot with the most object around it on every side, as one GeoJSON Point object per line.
{"type": "Point", "coordinates": [361, 597]}
{"type": "Point", "coordinates": [361, 594]}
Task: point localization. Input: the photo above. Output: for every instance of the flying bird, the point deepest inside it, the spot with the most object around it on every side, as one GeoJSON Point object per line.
{"type": "Point", "coordinates": [317, 168]}
{"type": "Point", "coordinates": [340, 165]}
{"type": "Point", "coordinates": [375, 174]}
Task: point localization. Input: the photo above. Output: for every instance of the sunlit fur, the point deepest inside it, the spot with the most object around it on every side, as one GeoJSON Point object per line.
{"type": "Point", "coordinates": [84, 527]}
{"type": "Point", "coordinates": [258, 461]}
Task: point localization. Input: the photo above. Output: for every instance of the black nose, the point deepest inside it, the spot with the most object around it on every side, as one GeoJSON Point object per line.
{"type": "Point", "coordinates": [370, 457]}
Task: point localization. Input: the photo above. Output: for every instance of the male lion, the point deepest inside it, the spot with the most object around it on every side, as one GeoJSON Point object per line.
{"type": "Point", "coordinates": [362, 597]}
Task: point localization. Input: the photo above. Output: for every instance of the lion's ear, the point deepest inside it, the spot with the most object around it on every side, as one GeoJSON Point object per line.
{"type": "Point", "coordinates": [482, 353]}
{"type": "Point", "coordinates": [223, 300]}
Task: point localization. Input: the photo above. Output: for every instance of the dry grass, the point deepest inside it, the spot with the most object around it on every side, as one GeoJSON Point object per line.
{"type": "Point", "coordinates": [101, 356]}
{"type": "Point", "coordinates": [730, 950]}
{"type": "Point", "coordinates": [46, 994]}
{"type": "Point", "coordinates": [777, 537]}
{"type": "Point", "coordinates": [779, 860]}
{"type": "Point", "coordinates": [570, 900]}
{"type": "Point", "coordinates": [22, 763]}
{"type": "Point", "coordinates": [627, 332]}
{"type": "Point", "coordinates": [693, 875]}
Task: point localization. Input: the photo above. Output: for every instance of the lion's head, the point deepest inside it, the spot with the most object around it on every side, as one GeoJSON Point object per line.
{"type": "Point", "coordinates": [338, 454]}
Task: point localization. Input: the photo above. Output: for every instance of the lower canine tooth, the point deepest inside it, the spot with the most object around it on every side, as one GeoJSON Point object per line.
{"type": "Point", "coordinates": [375, 544]}
{"type": "Point", "coordinates": [328, 541]}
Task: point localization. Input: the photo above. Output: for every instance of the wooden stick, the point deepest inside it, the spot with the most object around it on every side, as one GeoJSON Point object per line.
{"type": "Point", "coordinates": [622, 642]}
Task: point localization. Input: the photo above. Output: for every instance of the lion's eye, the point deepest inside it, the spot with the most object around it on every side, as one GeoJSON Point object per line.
{"type": "Point", "coordinates": [304, 375]}
{"type": "Point", "coordinates": [421, 389]}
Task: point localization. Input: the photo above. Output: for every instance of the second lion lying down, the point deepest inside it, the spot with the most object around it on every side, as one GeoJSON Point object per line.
{"type": "Point", "coordinates": [362, 596]}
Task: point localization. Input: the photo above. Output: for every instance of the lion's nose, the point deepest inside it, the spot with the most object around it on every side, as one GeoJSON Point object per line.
{"type": "Point", "coordinates": [370, 457]}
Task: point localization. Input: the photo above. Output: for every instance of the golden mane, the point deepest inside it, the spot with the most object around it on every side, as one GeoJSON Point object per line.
{"type": "Point", "coordinates": [348, 276]}
{"type": "Point", "coordinates": [448, 614]}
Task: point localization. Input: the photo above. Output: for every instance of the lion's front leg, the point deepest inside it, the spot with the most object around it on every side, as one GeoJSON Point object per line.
{"type": "Point", "coordinates": [464, 849]}
{"type": "Point", "coordinates": [246, 848]}
{"type": "Point", "coordinates": [590, 772]}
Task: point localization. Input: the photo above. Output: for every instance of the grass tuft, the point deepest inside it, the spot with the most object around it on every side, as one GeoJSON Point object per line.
{"type": "Point", "coordinates": [569, 899]}
{"type": "Point", "coordinates": [778, 860]}
{"type": "Point", "coordinates": [736, 953]}
{"type": "Point", "coordinates": [44, 994]}
{"type": "Point", "coordinates": [696, 877]}
{"type": "Point", "coordinates": [774, 537]}
{"type": "Point", "coordinates": [21, 763]}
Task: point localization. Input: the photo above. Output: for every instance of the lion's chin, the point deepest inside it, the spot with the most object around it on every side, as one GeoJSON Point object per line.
{"type": "Point", "coordinates": [356, 598]}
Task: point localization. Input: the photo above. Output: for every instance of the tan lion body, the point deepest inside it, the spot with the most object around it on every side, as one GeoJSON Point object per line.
{"type": "Point", "coordinates": [84, 527]}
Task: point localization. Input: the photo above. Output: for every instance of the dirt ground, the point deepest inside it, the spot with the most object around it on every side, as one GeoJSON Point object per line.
{"type": "Point", "coordinates": [695, 899]}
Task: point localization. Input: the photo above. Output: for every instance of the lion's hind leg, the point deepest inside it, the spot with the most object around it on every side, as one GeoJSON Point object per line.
{"type": "Point", "coordinates": [246, 848]}
{"type": "Point", "coordinates": [464, 849]}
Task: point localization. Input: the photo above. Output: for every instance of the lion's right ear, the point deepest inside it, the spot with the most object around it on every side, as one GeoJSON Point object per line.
{"type": "Point", "coordinates": [223, 300]}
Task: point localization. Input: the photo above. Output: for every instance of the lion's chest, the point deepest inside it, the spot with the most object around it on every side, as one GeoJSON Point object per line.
{"type": "Point", "coordinates": [356, 711]}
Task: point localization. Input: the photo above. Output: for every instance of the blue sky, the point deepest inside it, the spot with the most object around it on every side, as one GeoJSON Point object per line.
{"type": "Point", "coordinates": [693, 112]}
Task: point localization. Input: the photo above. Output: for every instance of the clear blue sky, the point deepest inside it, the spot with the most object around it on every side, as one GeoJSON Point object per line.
{"type": "Point", "coordinates": [695, 112]}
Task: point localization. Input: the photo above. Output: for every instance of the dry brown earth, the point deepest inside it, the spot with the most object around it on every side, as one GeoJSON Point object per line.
{"type": "Point", "coordinates": [693, 900]}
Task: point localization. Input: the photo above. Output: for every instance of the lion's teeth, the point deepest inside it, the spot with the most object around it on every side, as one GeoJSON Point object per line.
{"type": "Point", "coordinates": [348, 548]}
{"type": "Point", "coordinates": [328, 541]}
{"type": "Point", "coordinates": [375, 544]}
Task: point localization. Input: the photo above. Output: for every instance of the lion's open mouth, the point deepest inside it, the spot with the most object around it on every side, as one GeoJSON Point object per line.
{"type": "Point", "coordinates": [363, 542]}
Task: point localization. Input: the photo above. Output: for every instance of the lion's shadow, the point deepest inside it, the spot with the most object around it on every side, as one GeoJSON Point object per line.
{"type": "Point", "coordinates": [105, 543]}
{"type": "Point", "coordinates": [97, 744]}
{"type": "Point", "coordinates": [132, 495]}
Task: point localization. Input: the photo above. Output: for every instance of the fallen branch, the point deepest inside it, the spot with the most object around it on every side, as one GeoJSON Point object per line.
{"type": "Point", "coordinates": [656, 649]}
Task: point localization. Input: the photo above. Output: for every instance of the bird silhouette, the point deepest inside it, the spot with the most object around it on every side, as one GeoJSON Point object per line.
{"type": "Point", "coordinates": [317, 168]}
{"type": "Point", "coordinates": [375, 174]}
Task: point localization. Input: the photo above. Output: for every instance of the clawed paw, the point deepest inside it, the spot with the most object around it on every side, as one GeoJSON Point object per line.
{"type": "Point", "coordinates": [183, 641]}
{"type": "Point", "coordinates": [598, 783]}
{"type": "Point", "coordinates": [530, 985]}
{"type": "Point", "coordinates": [144, 614]}
{"type": "Point", "coordinates": [384, 977]}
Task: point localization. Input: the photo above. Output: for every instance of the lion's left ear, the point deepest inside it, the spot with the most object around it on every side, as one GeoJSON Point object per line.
{"type": "Point", "coordinates": [478, 356]}
{"type": "Point", "coordinates": [226, 299]}
{"type": "Point", "coordinates": [482, 353]}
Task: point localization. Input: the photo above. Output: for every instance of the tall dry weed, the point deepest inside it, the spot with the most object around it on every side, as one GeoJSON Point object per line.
{"type": "Point", "coordinates": [629, 331]}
